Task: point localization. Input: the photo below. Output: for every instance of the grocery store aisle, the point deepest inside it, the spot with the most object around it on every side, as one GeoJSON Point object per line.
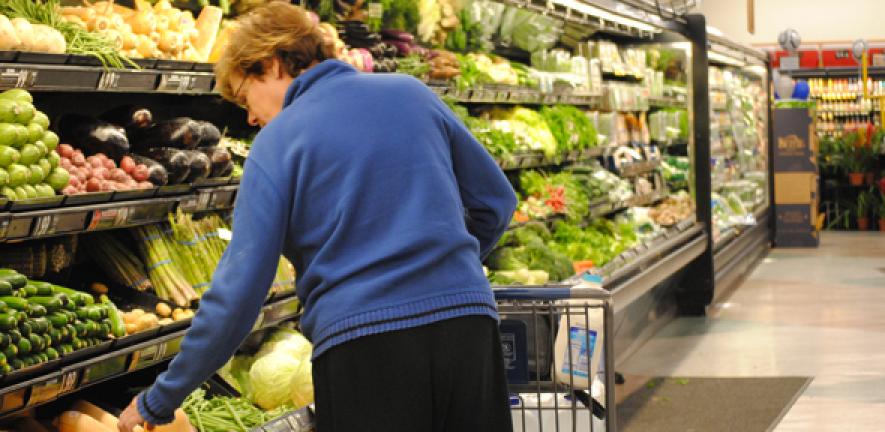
{"type": "Point", "coordinates": [818, 313]}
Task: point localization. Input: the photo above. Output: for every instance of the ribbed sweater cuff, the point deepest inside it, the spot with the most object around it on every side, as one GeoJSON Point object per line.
{"type": "Point", "coordinates": [153, 411]}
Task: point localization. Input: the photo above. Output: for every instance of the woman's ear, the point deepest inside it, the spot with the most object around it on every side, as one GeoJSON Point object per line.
{"type": "Point", "coordinates": [276, 68]}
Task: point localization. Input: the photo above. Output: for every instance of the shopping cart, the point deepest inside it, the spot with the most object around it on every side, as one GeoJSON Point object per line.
{"type": "Point", "coordinates": [551, 342]}
{"type": "Point", "coordinates": [553, 388]}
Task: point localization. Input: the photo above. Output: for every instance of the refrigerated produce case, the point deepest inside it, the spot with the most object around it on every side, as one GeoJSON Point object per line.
{"type": "Point", "coordinates": [638, 83]}
{"type": "Point", "coordinates": [739, 160]}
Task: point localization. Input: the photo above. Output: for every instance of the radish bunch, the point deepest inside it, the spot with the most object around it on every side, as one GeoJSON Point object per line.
{"type": "Point", "coordinates": [98, 173]}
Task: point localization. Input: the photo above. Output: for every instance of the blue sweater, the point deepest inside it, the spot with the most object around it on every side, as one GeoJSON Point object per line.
{"type": "Point", "coordinates": [382, 200]}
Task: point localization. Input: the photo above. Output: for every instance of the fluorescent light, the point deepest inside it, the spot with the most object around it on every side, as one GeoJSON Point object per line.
{"type": "Point", "coordinates": [715, 31]}
{"type": "Point", "coordinates": [587, 9]}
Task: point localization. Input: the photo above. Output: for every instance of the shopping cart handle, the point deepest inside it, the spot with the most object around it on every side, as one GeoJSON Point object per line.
{"type": "Point", "coordinates": [538, 293]}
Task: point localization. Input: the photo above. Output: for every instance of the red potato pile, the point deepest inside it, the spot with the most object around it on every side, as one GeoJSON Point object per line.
{"type": "Point", "coordinates": [98, 173]}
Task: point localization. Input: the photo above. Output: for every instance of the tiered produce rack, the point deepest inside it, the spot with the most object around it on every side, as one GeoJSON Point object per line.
{"type": "Point", "coordinates": [655, 265]}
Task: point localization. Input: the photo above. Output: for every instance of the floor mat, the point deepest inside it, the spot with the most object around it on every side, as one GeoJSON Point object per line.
{"type": "Point", "coordinates": [709, 404]}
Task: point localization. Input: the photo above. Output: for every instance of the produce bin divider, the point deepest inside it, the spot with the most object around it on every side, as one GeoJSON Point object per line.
{"type": "Point", "coordinates": [8, 56]}
{"type": "Point", "coordinates": [42, 58]}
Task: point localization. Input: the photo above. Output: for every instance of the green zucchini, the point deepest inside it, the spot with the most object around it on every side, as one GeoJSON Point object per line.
{"type": "Point", "coordinates": [35, 310]}
{"type": "Point", "coordinates": [51, 353]}
{"type": "Point", "coordinates": [40, 325]}
{"type": "Point", "coordinates": [28, 291]}
{"type": "Point", "coordinates": [118, 326]}
{"type": "Point", "coordinates": [24, 346]}
{"type": "Point", "coordinates": [25, 328]}
{"type": "Point", "coordinates": [14, 336]}
{"type": "Point", "coordinates": [54, 336]}
{"type": "Point", "coordinates": [11, 351]}
{"type": "Point", "coordinates": [72, 331]}
{"type": "Point", "coordinates": [51, 304]}
{"type": "Point", "coordinates": [66, 348]}
{"type": "Point", "coordinates": [58, 319]}
{"type": "Point", "coordinates": [28, 361]}
{"type": "Point", "coordinates": [16, 303]}
{"type": "Point", "coordinates": [47, 341]}
{"type": "Point", "coordinates": [5, 288]}
{"type": "Point", "coordinates": [17, 364]}
{"type": "Point", "coordinates": [2, 359]}
{"type": "Point", "coordinates": [37, 342]}
{"type": "Point", "coordinates": [8, 322]}
{"type": "Point", "coordinates": [81, 329]}
{"type": "Point", "coordinates": [13, 278]}
{"type": "Point", "coordinates": [21, 315]}
{"type": "Point", "coordinates": [4, 340]}
{"type": "Point", "coordinates": [5, 369]}
{"type": "Point", "coordinates": [43, 288]}
{"type": "Point", "coordinates": [72, 316]}
{"type": "Point", "coordinates": [43, 357]}
{"type": "Point", "coordinates": [3, 307]}
{"type": "Point", "coordinates": [81, 298]}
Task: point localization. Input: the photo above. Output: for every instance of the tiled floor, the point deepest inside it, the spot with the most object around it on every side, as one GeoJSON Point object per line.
{"type": "Point", "coordinates": [818, 313]}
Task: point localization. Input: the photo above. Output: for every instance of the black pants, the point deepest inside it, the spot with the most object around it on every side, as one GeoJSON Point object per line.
{"type": "Point", "coordinates": [442, 377]}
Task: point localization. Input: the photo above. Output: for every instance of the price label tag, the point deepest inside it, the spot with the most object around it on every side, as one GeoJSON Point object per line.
{"type": "Point", "coordinates": [104, 369]}
{"type": "Point", "coordinates": [197, 202]}
{"type": "Point", "coordinates": [17, 77]}
{"type": "Point", "coordinates": [13, 400]}
{"type": "Point", "coordinates": [4, 227]}
{"type": "Point", "coordinates": [108, 218]}
{"type": "Point", "coordinates": [68, 381]}
{"type": "Point", "coordinates": [172, 347]}
{"type": "Point", "coordinates": [108, 80]}
{"type": "Point", "coordinates": [222, 199]}
{"type": "Point", "coordinates": [147, 356]}
{"type": "Point", "coordinates": [43, 225]}
{"type": "Point", "coordinates": [279, 425]}
{"type": "Point", "coordinates": [176, 82]}
{"type": "Point", "coordinates": [45, 391]}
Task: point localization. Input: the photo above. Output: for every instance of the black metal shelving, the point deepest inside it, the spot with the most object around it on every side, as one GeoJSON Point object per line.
{"type": "Point", "coordinates": [72, 374]}
{"type": "Point", "coordinates": [112, 214]}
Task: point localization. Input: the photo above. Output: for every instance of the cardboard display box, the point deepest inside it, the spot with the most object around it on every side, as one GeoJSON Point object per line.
{"type": "Point", "coordinates": [795, 178]}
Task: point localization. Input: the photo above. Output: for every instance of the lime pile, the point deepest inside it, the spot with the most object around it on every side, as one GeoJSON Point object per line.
{"type": "Point", "coordinates": [28, 160]}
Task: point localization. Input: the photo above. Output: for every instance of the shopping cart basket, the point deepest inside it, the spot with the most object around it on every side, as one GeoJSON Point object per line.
{"type": "Point", "coordinates": [551, 342]}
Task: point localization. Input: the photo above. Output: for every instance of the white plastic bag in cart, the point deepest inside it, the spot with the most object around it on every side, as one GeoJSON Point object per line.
{"type": "Point", "coordinates": [527, 418]}
{"type": "Point", "coordinates": [579, 340]}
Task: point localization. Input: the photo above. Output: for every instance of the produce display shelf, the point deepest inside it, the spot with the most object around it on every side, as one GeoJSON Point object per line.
{"type": "Point", "coordinates": [640, 269]}
{"type": "Point", "coordinates": [602, 208]}
{"type": "Point", "coordinates": [84, 60]}
{"type": "Point", "coordinates": [834, 72]}
{"type": "Point", "coordinates": [502, 94]}
{"type": "Point", "coordinates": [520, 161]}
{"type": "Point", "coordinates": [75, 77]}
{"type": "Point", "coordinates": [102, 212]}
{"type": "Point", "coordinates": [599, 16]}
{"type": "Point", "coordinates": [668, 102]}
{"type": "Point", "coordinates": [73, 374]}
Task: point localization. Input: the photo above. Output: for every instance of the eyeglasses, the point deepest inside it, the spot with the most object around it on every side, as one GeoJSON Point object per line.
{"type": "Point", "coordinates": [241, 101]}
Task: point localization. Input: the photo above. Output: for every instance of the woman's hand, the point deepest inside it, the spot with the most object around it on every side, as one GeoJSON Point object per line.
{"type": "Point", "coordinates": [130, 418]}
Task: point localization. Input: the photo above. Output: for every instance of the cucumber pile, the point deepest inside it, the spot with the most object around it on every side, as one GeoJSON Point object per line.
{"type": "Point", "coordinates": [40, 322]}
